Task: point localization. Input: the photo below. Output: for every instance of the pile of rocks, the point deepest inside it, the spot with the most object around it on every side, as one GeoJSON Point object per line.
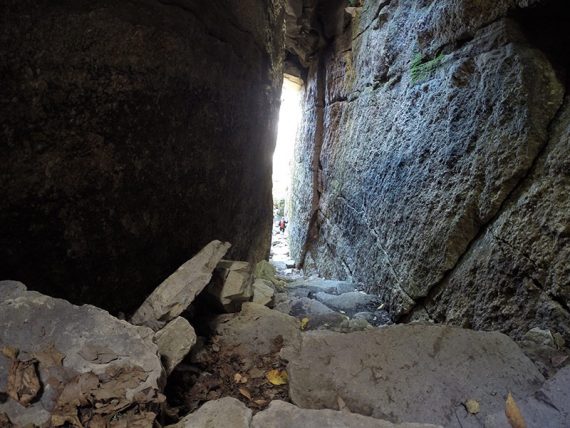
{"type": "Point", "coordinates": [64, 365]}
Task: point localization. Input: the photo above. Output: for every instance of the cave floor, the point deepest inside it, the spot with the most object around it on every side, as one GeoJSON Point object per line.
{"type": "Point", "coordinates": [323, 344]}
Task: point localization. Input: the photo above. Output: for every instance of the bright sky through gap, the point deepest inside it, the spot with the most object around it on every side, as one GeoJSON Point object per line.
{"type": "Point", "coordinates": [289, 117]}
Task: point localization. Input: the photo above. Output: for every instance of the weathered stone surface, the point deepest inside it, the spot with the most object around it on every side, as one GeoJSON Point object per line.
{"type": "Point", "coordinates": [517, 275]}
{"type": "Point", "coordinates": [376, 318]}
{"type": "Point", "coordinates": [231, 284]}
{"type": "Point", "coordinates": [301, 307]}
{"type": "Point", "coordinates": [132, 134]}
{"type": "Point", "coordinates": [174, 342]}
{"type": "Point", "coordinates": [285, 415]}
{"type": "Point", "coordinates": [317, 285]}
{"type": "Point", "coordinates": [421, 123]}
{"type": "Point", "coordinates": [410, 373]}
{"type": "Point", "coordinates": [351, 303]}
{"type": "Point", "coordinates": [225, 412]}
{"type": "Point", "coordinates": [314, 314]}
{"type": "Point", "coordinates": [256, 328]}
{"type": "Point", "coordinates": [80, 352]}
{"type": "Point", "coordinates": [263, 292]}
{"type": "Point", "coordinates": [265, 270]}
{"type": "Point", "coordinates": [176, 293]}
{"type": "Point", "coordinates": [548, 408]}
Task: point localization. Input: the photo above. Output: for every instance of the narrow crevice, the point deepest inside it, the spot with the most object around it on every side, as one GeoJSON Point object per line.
{"type": "Point", "coordinates": [313, 227]}
{"type": "Point", "coordinates": [381, 6]}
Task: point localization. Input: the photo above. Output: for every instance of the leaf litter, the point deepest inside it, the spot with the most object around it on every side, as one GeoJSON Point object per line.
{"type": "Point", "coordinates": [222, 371]}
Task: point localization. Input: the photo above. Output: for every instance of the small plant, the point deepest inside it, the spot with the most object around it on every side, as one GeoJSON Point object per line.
{"type": "Point", "coordinates": [421, 70]}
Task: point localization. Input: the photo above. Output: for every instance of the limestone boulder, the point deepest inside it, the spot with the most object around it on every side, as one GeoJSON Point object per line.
{"type": "Point", "coordinates": [62, 363]}
{"type": "Point", "coordinates": [225, 412]}
{"type": "Point", "coordinates": [174, 342]}
{"type": "Point", "coordinates": [351, 303]}
{"type": "Point", "coordinates": [263, 292]}
{"type": "Point", "coordinates": [317, 285]}
{"type": "Point", "coordinates": [179, 290]}
{"type": "Point", "coordinates": [265, 270]}
{"type": "Point", "coordinates": [285, 415]}
{"type": "Point", "coordinates": [231, 284]}
{"type": "Point", "coordinates": [410, 373]}
{"type": "Point", "coordinates": [257, 330]}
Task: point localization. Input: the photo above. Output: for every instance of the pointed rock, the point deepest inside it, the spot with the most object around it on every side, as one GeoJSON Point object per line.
{"type": "Point", "coordinates": [175, 342]}
{"type": "Point", "coordinates": [231, 284]}
{"type": "Point", "coordinates": [176, 293]}
{"type": "Point", "coordinates": [263, 292]}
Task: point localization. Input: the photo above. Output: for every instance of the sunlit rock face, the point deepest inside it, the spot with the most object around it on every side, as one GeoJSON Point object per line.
{"type": "Point", "coordinates": [433, 162]}
{"type": "Point", "coordinates": [132, 134]}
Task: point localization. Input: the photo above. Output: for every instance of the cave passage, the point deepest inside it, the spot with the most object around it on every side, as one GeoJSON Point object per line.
{"type": "Point", "coordinates": [418, 149]}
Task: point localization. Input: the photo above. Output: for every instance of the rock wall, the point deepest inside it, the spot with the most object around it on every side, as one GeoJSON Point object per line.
{"type": "Point", "coordinates": [132, 134]}
{"type": "Point", "coordinates": [433, 164]}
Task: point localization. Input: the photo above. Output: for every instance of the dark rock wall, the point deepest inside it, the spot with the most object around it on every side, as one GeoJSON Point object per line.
{"type": "Point", "coordinates": [131, 134]}
{"type": "Point", "coordinates": [438, 173]}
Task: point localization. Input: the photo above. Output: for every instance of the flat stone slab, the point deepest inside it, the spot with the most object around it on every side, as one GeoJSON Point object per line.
{"type": "Point", "coordinates": [285, 415]}
{"type": "Point", "coordinates": [317, 285]}
{"type": "Point", "coordinates": [351, 303]}
{"type": "Point", "coordinates": [302, 307]}
{"type": "Point", "coordinates": [225, 412]}
{"type": "Point", "coordinates": [176, 293]}
{"type": "Point", "coordinates": [409, 373]}
{"type": "Point", "coordinates": [81, 355]}
{"type": "Point", "coordinates": [256, 328]}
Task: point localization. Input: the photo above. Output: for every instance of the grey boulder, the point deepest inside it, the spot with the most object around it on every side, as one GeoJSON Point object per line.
{"type": "Point", "coordinates": [409, 373]}
{"type": "Point", "coordinates": [323, 285]}
{"type": "Point", "coordinates": [176, 293]}
{"type": "Point", "coordinates": [263, 292]}
{"type": "Point", "coordinates": [351, 303]}
{"type": "Point", "coordinates": [285, 415]}
{"type": "Point", "coordinates": [89, 363]}
{"type": "Point", "coordinates": [256, 329]}
{"type": "Point", "coordinates": [231, 284]}
{"type": "Point", "coordinates": [174, 342]}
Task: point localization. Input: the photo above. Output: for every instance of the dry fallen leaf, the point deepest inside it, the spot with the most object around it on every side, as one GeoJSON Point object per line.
{"type": "Point", "coordinates": [260, 402]}
{"type": "Point", "coordinates": [304, 323]}
{"type": "Point", "coordinates": [9, 352]}
{"type": "Point", "coordinates": [49, 357]}
{"type": "Point", "coordinates": [23, 382]}
{"type": "Point", "coordinates": [558, 360]}
{"type": "Point", "coordinates": [472, 406]}
{"type": "Point", "coordinates": [245, 392]}
{"type": "Point", "coordinates": [513, 413]}
{"type": "Point", "coordinates": [342, 405]}
{"type": "Point", "coordinates": [277, 377]}
{"type": "Point", "coordinates": [5, 421]}
{"type": "Point", "coordinates": [239, 378]}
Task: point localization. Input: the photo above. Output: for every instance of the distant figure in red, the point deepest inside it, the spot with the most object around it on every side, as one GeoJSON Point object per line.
{"type": "Point", "coordinates": [282, 224]}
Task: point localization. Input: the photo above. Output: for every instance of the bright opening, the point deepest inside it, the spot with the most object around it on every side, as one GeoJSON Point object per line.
{"type": "Point", "coordinates": [289, 118]}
